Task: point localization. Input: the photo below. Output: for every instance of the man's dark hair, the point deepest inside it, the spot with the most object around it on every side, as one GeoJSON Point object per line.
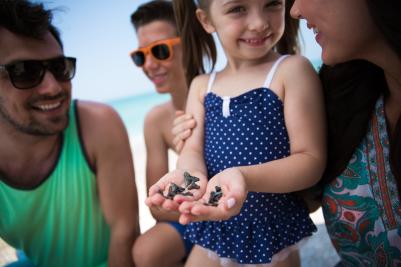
{"type": "Point", "coordinates": [153, 11]}
{"type": "Point", "coordinates": [27, 19]}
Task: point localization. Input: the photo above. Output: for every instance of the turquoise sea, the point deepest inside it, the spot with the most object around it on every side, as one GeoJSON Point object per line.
{"type": "Point", "coordinates": [133, 109]}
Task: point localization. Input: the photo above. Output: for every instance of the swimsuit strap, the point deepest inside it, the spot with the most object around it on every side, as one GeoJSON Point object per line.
{"type": "Point", "coordinates": [211, 81]}
{"type": "Point", "coordinates": [273, 70]}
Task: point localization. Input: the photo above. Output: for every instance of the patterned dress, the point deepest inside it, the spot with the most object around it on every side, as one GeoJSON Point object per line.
{"type": "Point", "coordinates": [362, 208]}
{"type": "Point", "coordinates": [246, 130]}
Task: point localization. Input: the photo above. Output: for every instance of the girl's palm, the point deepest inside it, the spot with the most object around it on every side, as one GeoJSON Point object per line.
{"type": "Point", "coordinates": [159, 195]}
{"type": "Point", "coordinates": [233, 188]}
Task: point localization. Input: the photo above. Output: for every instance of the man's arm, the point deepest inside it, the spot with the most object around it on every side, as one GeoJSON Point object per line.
{"type": "Point", "coordinates": [106, 142]}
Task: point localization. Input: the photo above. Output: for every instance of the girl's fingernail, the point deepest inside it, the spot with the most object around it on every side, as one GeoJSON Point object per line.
{"type": "Point", "coordinates": [230, 203]}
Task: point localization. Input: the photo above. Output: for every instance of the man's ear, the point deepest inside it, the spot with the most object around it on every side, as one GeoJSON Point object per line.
{"type": "Point", "coordinates": [205, 21]}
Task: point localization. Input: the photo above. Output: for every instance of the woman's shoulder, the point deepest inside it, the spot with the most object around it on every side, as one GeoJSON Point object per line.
{"type": "Point", "coordinates": [158, 122]}
{"type": "Point", "coordinates": [160, 113]}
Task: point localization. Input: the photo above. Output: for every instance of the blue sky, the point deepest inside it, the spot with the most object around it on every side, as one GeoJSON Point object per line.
{"type": "Point", "coordinates": [99, 34]}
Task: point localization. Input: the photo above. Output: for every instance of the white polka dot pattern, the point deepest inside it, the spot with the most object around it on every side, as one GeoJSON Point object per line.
{"type": "Point", "coordinates": [253, 133]}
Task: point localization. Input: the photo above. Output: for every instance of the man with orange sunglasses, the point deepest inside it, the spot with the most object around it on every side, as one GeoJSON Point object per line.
{"type": "Point", "coordinates": [160, 57]}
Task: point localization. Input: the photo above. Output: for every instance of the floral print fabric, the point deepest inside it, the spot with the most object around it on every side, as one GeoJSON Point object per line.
{"type": "Point", "coordinates": [362, 206]}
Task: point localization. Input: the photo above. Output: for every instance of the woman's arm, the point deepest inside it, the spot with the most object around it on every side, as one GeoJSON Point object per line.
{"type": "Point", "coordinates": [191, 158]}
{"type": "Point", "coordinates": [182, 129]}
{"type": "Point", "coordinates": [157, 153]}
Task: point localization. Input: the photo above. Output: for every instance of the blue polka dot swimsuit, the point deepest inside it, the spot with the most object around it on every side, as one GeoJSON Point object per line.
{"type": "Point", "coordinates": [249, 129]}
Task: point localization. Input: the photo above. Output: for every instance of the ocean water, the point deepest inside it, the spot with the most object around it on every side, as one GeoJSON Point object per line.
{"type": "Point", "coordinates": [317, 63]}
{"type": "Point", "coordinates": [133, 109]}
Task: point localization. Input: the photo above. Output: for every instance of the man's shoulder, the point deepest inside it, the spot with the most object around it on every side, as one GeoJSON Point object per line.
{"type": "Point", "coordinates": [100, 125]}
{"type": "Point", "coordinates": [98, 115]}
{"type": "Point", "coordinates": [95, 110]}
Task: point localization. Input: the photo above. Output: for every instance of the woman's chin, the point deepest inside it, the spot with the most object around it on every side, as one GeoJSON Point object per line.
{"type": "Point", "coordinates": [162, 89]}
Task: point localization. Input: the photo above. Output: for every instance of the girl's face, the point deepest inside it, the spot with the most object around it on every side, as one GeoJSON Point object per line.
{"type": "Point", "coordinates": [343, 28]}
{"type": "Point", "coordinates": [247, 29]}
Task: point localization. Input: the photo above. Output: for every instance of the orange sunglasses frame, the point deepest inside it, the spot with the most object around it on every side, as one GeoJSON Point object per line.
{"type": "Point", "coordinates": [146, 50]}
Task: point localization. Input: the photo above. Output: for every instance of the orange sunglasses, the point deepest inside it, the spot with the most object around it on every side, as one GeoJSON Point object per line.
{"type": "Point", "coordinates": [160, 50]}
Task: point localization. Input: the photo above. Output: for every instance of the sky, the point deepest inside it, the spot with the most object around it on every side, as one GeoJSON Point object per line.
{"type": "Point", "coordinates": [100, 35]}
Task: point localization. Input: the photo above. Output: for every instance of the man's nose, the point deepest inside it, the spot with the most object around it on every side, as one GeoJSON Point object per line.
{"type": "Point", "coordinates": [49, 85]}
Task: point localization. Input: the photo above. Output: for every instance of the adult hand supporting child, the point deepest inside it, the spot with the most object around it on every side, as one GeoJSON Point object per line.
{"type": "Point", "coordinates": [182, 128]}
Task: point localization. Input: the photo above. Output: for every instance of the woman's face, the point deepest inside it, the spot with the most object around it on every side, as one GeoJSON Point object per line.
{"type": "Point", "coordinates": [343, 28]}
{"type": "Point", "coordinates": [165, 75]}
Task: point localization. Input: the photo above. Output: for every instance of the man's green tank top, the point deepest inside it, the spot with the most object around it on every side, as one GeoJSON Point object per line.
{"type": "Point", "coordinates": [60, 222]}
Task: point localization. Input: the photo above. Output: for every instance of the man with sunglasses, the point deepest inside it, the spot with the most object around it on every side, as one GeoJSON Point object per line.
{"type": "Point", "coordinates": [160, 57]}
{"type": "Point", "coordinates": [67, 189]}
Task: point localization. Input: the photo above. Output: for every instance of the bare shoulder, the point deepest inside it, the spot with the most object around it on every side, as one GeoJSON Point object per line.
{"type": "Point", "coordinates": [98, 115]}
{"type": "Point", "coordinates": [200, 80]}
{"type": "Point", "coordinates": [199, 85]}
{"type": "Point", "coordinates": [159, 113]}
{"type": "Point", "coordinates": [101, 126]}
{"type": "Point", "coordinates": [296, 72]}
{"type": "Point", "coordinates": [296, 63]}
{"type": "Point", "coordinates": [158, 120]}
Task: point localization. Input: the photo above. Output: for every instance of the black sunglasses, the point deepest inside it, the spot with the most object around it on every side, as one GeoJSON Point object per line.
{"type": "Point", "coordinates": [27, 74]}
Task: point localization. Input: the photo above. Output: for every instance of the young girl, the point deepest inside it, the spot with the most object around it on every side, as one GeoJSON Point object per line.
{"type": "Point", "coordinates": [260, 135]}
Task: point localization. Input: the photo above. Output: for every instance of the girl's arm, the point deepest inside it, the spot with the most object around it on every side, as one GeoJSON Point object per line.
{"type": "Point", "coordinates": [305, 121]}
{"type": "Point", "coordinates": [191, 158]}
{"type": "Point", "coordinates": [304, 115]}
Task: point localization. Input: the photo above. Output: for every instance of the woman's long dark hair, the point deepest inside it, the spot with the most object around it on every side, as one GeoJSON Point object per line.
{"type": "Point", "coordinates": [198, 45]}
{"type": "Point", "coordinates": [351, 91]}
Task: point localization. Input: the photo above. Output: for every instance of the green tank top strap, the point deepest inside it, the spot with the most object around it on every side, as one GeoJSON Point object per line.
{"type": "Point", "coordinates": [60, 222]}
